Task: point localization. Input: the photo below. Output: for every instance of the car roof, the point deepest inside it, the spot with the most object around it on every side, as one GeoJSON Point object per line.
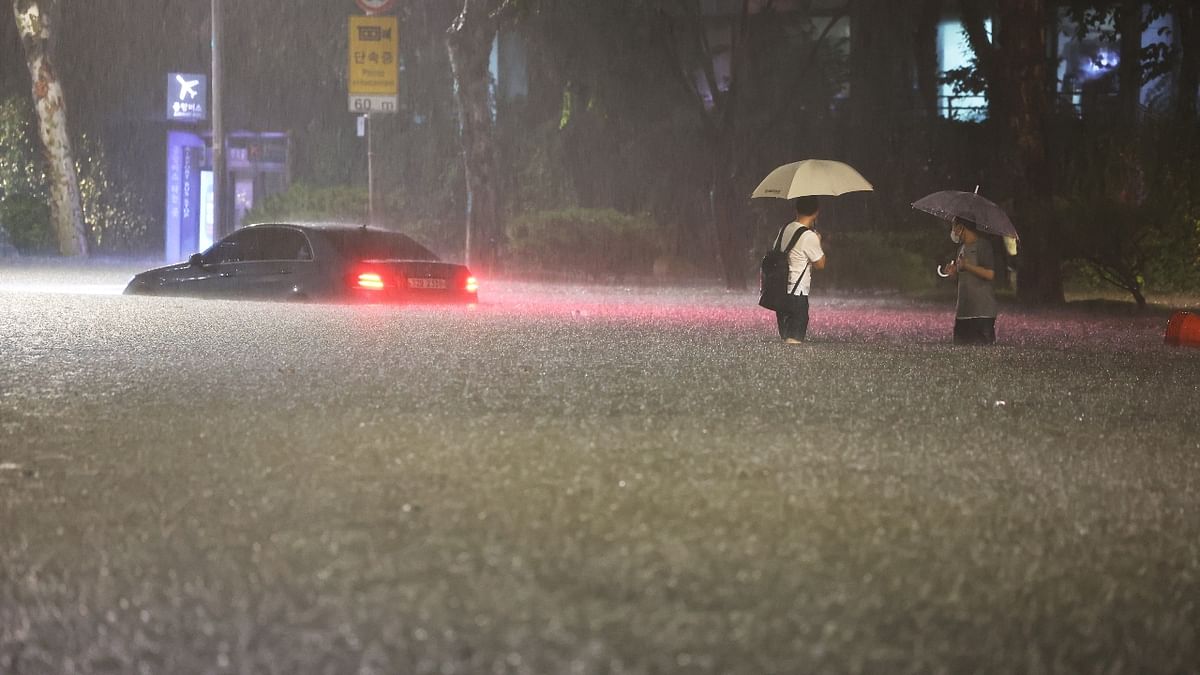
{"type": "Point", "coordinates": [326, 226]}
{"type": "Point", "coordinates": [342, 234]}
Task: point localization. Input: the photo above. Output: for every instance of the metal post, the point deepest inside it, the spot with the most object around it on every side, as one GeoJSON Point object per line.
{"type": "Point", "coordinates": [467, 235]}
{"type": "Point", "coordinates": [370, 172]}
{"type": "Point", "coordinates": [221, 225]}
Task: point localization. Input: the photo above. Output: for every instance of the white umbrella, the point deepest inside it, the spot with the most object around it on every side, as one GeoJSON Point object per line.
{"type": "Point", "coordinates": [811, 177]}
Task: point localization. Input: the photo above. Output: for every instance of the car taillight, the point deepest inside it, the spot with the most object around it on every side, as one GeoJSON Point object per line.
{"type": "Point", "coordinates": [370, 281]}
{"type": "Point", "coordinates": [472, 285]}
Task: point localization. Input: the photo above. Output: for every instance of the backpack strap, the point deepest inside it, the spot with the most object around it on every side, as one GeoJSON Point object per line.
{"type": "Point", "coordinates": [778, 239]}
{"type": "Point", "coordinates": [796, 238]}
{"type": "Point", "coordinates": [797, 284]}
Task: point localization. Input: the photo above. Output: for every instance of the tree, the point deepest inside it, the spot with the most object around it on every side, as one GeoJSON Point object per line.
{"type": "Point", "coordinates": [469, 40]}
{"type": "Point", "coordinates": [742, 111]}
{"type": "Point", "coordinates": [1017, 72]}
{"type": "Point", "coordinates": [34, 27]}
{"type": "Point", "coordinates": [1130, 26]}
{"type": "Point", "coordinates": [893, 93]}
{"type": "Point", "coordinates": [1124, 22]}
{"type": "Point", "coordinates": [1187, 14]}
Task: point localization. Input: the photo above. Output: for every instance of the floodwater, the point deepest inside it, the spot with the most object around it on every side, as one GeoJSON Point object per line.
{"type": "Point", "coordinates": [587, 480]}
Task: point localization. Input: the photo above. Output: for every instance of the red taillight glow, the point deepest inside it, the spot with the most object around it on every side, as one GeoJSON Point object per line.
{"type": "Point", "coordinates": [370, 281]}
{"type": "Point", "coordinates": [472, 285]}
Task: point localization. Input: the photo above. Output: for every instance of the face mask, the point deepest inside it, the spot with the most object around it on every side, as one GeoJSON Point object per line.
{"type": "Point", "coordinates": [955, 236]}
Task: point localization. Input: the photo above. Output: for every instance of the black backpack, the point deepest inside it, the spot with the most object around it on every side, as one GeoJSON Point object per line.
{"type": "Point", "coordinates": [773, 281]}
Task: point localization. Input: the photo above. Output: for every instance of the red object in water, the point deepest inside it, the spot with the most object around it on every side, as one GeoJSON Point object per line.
{"type": "Point", "coordinates": [1183, 329]}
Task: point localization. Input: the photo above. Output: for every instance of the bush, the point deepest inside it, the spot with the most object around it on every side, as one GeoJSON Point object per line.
{"type": "Point", "coordinates": [302, 202]}
{"type": "Point", "coordinates": [20, 163]}
{"type": "Point", "coordinates": [447, 239]}
{"type": "Point", "coordinates": [27, 220]}
{"type": "Point", "coordinates": [1128, 205]}
{"type": "Point", "coordinates": [590, 243]}
{"type": "Point", "coordinates": [884, 261]}
{"type": "Point", "coordinates": [116, 216]}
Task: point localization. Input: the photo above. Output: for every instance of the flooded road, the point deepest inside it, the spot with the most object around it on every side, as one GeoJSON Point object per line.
{"type": "Point", "coordinates": [587, 480]}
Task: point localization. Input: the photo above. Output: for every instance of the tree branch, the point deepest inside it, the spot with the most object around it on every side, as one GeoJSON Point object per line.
{"type": "Point", "coordinates": [675, 55]}
{"type": "Point", "coordinates": [782, 112]}
{"type": "Point", "coordinates": [975, 24]}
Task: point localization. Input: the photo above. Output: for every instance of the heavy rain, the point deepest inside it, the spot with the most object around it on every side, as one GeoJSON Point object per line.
{"type": "Point", "coordinates": [235, 437]}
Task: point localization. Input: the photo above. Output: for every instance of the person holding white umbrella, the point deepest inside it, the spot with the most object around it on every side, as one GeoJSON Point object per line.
{"type": "Point", "coordinates": [804, 257]}
{"type": "Point", "coordinates": [803, 181]}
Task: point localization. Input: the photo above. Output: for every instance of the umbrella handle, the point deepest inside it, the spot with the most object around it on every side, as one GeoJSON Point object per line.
{"type": "Point", "coordinates": [942, 274]}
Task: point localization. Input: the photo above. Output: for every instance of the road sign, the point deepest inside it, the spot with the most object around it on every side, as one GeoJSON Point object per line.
{"type": "Point", "coordinates": [373, 73]}
{"type": "Point", "coordinates": [187, 96]}
{"type": "Point", "coordinates": [375, 6]}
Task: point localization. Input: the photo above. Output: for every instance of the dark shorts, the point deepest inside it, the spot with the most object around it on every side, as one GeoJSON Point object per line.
{"type": "Point", "coordinates": [974, 331]}
{"type": "Point", "coordinates": [793, 319]}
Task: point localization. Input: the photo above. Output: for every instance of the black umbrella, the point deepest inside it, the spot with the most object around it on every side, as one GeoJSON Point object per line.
{"type": "Point", "coordinates": [969, 206]}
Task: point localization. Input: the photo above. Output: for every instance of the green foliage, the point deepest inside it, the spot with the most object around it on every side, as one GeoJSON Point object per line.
{"type": "Point", "coordinates": [591, 243]}
{"type": "Point", "coordinates": [116, 215]}
{"type": "Point", "coordinates": [446, 238]}
{"type": "Point", "coordinates": [1129, 205]}
{"type": "Point", "coordinates": [1102, 18]}
{"type": "Point", "coordinates": [24, 210]}
{"type": "Point", "coordinates": [882, 261]}
{"type": "Point", "coordinates": [1108, 238]}
{"type": "Point", "coordinates": [539, 181]}
{"type": "Point", "coordinates": [26, 219]}
{"type": "Point", "coordinates": [20, 163]}
{"type": "Point", "coordinates": [303, 202]}
{"type": "Point", "coordinates": [1173, 263]}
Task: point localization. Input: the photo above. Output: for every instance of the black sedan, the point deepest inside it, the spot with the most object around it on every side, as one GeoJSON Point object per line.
{"type": "Point", "coordinates": [283, 261]}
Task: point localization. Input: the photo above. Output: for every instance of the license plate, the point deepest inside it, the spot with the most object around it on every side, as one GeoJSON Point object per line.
{"type": "Point", "coordinates": [427, 283]}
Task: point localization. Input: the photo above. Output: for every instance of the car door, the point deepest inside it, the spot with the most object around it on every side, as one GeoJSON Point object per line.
{"type": "Point", "coordinates": [214, 275]}
{"type": "Point", "coordinates": [282, 264]}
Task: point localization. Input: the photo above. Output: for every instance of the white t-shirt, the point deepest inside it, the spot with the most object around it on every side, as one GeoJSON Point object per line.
{"type": "Point", "coordinates": [805, 252]}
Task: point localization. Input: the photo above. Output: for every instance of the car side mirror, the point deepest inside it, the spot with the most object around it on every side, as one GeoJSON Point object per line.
{"type": "Point", "coordinates": [196, 260]}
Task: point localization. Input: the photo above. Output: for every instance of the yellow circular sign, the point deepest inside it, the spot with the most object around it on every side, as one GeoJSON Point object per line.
{"type": "Point", "coordinates": [375, 6]}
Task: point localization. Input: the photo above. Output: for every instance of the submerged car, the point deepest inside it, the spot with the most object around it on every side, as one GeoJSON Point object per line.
{"type": "Point", "coordinates": [338, 262]}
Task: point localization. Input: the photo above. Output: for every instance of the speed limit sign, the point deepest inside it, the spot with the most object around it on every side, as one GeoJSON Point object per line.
{"type": "Point", "coordinates": [375, 6]}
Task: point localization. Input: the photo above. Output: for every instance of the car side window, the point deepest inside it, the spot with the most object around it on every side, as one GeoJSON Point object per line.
{"type": "Point", "coordinates": [237, 247]}
{"type": "Point", "coordinates": [284, 244]}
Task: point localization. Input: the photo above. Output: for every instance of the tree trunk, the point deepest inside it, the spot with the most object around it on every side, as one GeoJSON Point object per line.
{"type": "Point", "coordinates": [884, 103]}
{"type": "Point", "coordinates": [66, 210]}
{"type": "Point", "coordinates": [1019, 106]}
{"type": "Point", "coordinates": [1021, 36]}
{"type": "Point", "coordinates": [469, 41]}
{"type": "Point", "coordinates": [729, 146]}
{"type": "Point", "coordinates": [732, 236]}
{"type": "Point", "coordinates": [925, 43]}
{"type": "Point", "coordinates": [1129, 24]}
{"type": "Point", "coordinates": [1188, 16]}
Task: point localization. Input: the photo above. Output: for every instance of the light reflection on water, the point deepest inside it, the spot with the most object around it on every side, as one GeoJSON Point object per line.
{"type": "Point", "coordinates": [62, 288]}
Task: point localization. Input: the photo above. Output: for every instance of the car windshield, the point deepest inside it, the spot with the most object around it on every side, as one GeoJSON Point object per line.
{"type": "Point", "coordinates": [375, 245]}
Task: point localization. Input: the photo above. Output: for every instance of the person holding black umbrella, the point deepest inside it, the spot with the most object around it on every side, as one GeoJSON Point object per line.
{"type": "Point", "coordinates": [973, 221]}
{"type": "Point", "coordinates": [975, 269]}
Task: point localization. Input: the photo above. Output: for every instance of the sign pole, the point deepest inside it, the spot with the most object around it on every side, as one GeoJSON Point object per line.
{"type": "Point", "coordinates": [370, 170]}
{"type": "Point", "coordinates": [373, 78]}
{"type": "Point", "coordinates": [220, 224]}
